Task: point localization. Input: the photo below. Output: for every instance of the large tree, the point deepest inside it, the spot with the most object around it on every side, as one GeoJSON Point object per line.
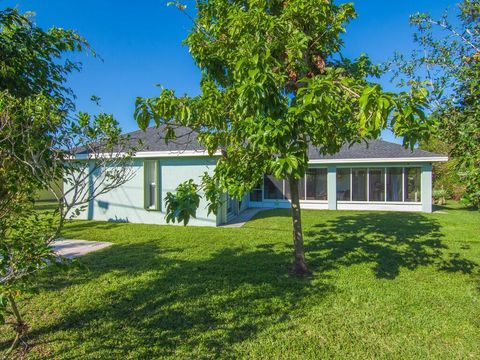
{"type": "Point", "coordinates": [273, 82]}
{"type": "Point", "coordinates": [447, 60]}
{"type": "Point", "coordinates": [40, 138]}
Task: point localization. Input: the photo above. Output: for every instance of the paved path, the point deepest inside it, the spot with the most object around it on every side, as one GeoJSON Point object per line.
{"type": "Point", "coordinates": [243, 217]}
{"type": "Point", "coordinates": [74, 248]}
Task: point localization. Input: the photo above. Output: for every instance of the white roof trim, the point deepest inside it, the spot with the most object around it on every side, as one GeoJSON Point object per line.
{"type": "Point", "coordinates": [179, 153]}
{"type": "Point", "coordinates": [194, 153]}
{"type": "Point", "coordinates": [378, 160]}
{"type": "Point", "coordinates": [153, 154]}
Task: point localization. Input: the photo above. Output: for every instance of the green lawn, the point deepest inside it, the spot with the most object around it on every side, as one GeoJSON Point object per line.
{"type": "Point", "coordinates": [385, 285]}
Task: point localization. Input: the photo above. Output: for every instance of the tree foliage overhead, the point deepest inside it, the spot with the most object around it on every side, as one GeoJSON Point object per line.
{"type": "Point", "coordinates": [447, 60]}
{"type": "Point", "coordinates": [31, 59]}
{"type": "Point", "coordinates": [39, 137]}
{"type": "Point", "coordinates": [274, 82]}
{"type": "Point", "coordinates": [33, 95]}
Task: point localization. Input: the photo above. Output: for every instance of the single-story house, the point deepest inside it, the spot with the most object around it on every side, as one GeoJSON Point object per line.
{"type": "Point", "coordinates": [376, 176]}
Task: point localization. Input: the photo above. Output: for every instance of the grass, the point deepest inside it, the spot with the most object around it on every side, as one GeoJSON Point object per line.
{"type": "Point", "coordinates": [385, 285]}
{"type": "Point", "coordinates": [45, 205]}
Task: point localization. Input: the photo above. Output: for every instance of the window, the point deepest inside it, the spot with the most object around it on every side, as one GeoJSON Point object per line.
{"type": "Point", "coordinates": [273, 188]}
{"type": "Point", "coordinates": [301, 188]}
{"type": "Point", "coordinates": [312, 187]}
{"type": "Point", "coordinates": [394, 184]}
{"type": "Point", "coordinates": [343, 184]}
{"type": "Point", "coordinates": [316, 184]}
{"type": "Point", "coordinates": [359, 184]}
{"type": "Point", "coordinates": [151, 185]}
{"type": "Point", "coordinates": [287, 193]}
{"type": "Point", "coordinates": [412, 184]}
{"type": "Point", "coordinates": [229, 204]}
{"type": "Point", "coordinates": [377, 184]}
{"type": "Point", "coordinates": [256, 195]}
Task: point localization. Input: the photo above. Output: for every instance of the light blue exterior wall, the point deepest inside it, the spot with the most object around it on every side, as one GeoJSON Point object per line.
{"type": "Point", "coordinates": [126, 203]}
{"type": "Point", "coordinates": [238, 207]}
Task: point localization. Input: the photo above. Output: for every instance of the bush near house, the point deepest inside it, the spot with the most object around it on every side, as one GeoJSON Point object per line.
{"type": "Point", "coordinates": [440, 196]}
{"type": "Point", "coordinates": [445, 175]}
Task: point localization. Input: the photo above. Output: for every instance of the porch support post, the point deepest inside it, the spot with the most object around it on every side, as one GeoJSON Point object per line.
{"type": "Point", "coordinates": [332, 187]}
{"type": "Point", "coordinates": [222, 210]}
{"type": "Point", "coordinates": [427, 188]}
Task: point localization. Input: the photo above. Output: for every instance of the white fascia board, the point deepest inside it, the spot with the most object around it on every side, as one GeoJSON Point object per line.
{"type": "Point", "coordinates": [193, 153]}
{"type": "Point", "coordinates": [152, 154]}
{"type": "Point", "coordinates": [379, 160]}
{"type": "Point", "coordinates": [186, 153]}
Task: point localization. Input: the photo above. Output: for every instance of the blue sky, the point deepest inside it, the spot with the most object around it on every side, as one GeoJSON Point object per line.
{"type": "Point", "coordinates": [140, 44]}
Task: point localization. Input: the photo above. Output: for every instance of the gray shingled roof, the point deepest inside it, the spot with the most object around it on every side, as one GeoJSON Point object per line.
{"type": "Point", "coordinates": [153, 140]}
{"type": "Point", "coordinates": [373, 149]}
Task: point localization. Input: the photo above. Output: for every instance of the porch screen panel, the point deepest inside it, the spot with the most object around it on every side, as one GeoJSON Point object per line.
{"type": "Point", "coordinates": [256, 195]}
{"type": "Point", "coordinates": [394, 184]}
{"type": "Point", "coordinates": [359, 184]}
{"type": "Point", "coordinates": [316, 184]}
{"type": "Point", "coordinates": [287, 194]}
{"type": "Point", "coordinates": [413, 184]}
{"type": "Point", "coordinates": [343, 184]}
{"type": "Point", "coordinates": [301, 188]}
{"type": "Point", "coordinates": [273, 188]}
{"type": "Point", "coordinates": [377, 184]}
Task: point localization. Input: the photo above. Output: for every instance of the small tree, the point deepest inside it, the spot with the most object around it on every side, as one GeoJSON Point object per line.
{"type": "Point", "coordinates": [447, 60]}
{"type": "Point", "coordinates": [273, 83]}
{"type": "Point", "coordinates": [40, 143]}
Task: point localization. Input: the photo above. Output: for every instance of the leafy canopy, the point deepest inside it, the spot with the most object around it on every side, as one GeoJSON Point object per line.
{"type": "Point", "coordinates": [273, 82]}
{"type": "Point", "coordinates": [447, 59]}
{"type": "Point", "coordinates": [39, 136]}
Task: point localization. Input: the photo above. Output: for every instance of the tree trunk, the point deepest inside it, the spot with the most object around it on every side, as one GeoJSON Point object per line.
{"type": "Point", "coordinates": [19, 326]}
{"type": "Point", "coordinates": [300, 266]}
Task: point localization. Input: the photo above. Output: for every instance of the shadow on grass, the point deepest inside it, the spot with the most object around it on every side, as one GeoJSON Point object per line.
{"type": "Point", "coordinates": [161, 302]}
{"type": "Point", "coordinates": [391, 241]}
{"type": "Point", "coordinates": [270, 213]}
{"type": "Point", "coordinates": [78, 226]}
{"type": "Point", "coordinates": [43, 205]}
{"type": "Point", "coordinates": [453, 206]}
{"type": "Point", "coordinates": [156, 301]}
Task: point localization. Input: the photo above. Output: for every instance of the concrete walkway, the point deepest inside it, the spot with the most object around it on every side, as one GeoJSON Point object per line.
{"type": "Point", "coordinates": [243, 217]}
{"type": "Point", "coordinates": [74, 248]}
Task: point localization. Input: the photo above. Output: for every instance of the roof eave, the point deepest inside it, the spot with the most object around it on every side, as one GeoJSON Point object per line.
{"type": "Point", "coordinates": [380, 160]}
{"type": "Point", "coordinates": [154, 154]}
{"type": "Point", "coordinates": [199, 153]}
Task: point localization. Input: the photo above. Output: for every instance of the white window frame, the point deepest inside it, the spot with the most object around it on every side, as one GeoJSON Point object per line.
{"type": "Point", "coordinates": [283, 191]}
{"type": "Point", "coordinates": [147, 184]}
{"type": "Point", "coordinates": [305, 197]}
{"type": "Point", "coordinates": [421, 180]}
{"type": "Point", "coordinates": [303, 200]}
{"type": "Point", "coordinates": [385, 188]}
